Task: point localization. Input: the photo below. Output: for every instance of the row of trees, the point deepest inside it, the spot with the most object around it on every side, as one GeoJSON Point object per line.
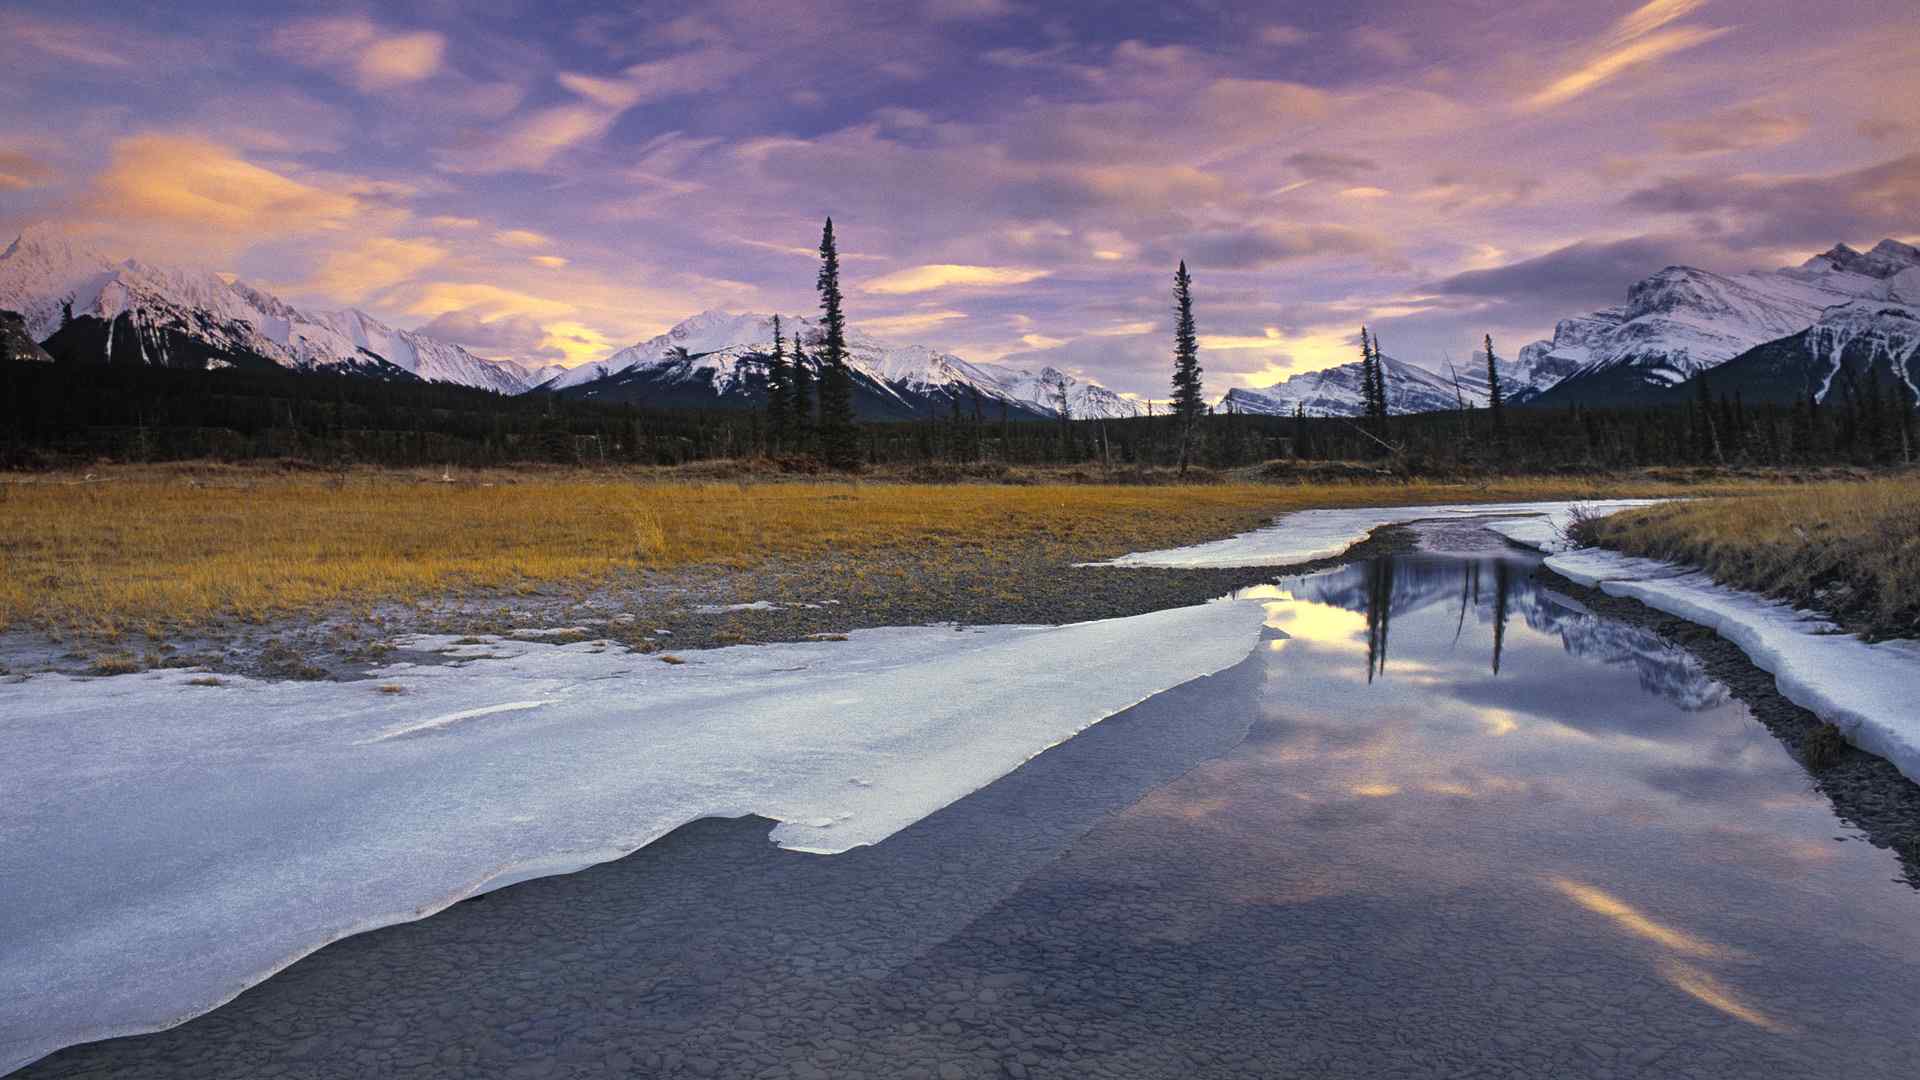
{"type": "Point", "coordinates": [52, 412]}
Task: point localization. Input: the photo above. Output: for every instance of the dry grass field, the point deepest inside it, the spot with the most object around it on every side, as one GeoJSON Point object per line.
{"type": "Point", "coordinates": [1852, 549]}
{"type": "Point", "coordinates": [149, 548]}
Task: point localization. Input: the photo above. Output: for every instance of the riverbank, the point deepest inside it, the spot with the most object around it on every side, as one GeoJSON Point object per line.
{"type": "Point", "coordinates": [309, 574]}
{"type": "Point", "coordinates": [1850, 551]}
{"type": "Point", "coordinates": [1867, 790]}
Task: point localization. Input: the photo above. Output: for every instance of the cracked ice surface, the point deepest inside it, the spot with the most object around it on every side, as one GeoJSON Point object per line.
{"type": "Point", "coordinates": [168, 845]}
{"type": "Point", "coordinates": [1866, 690]}
{"type": "Point", "coordinates": [1306, 535]}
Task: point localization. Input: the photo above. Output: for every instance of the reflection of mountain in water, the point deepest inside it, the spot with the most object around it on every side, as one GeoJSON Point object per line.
{"type": "Point", "coordinates": [1493, 591]}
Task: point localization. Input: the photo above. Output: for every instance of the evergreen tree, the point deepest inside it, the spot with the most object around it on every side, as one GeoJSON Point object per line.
{"type": "Point", "coordinates": [1367, 407]}
{"type": "Point", "coordinates": [1379, 391]}
{"type": "Point", "coordinates": [779, 391]}
{"type": "Point", "coordinates": [1708, 437]}
{"type": "Point", "coordinates": [1187, 399]}
{"type": "Point", "coordinates": [1496, 399]}
{"type": "Point", "coordinates": [1299, 431]}
{"type": "Point", "coordinates": [800, 396]}
{"type": "Point", "coordinates": [839, 439]}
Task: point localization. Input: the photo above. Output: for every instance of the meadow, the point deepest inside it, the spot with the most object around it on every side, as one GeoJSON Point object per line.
{"type": "Point", "coordinates": [152, 548]}
{"type": "Point", "coordinates": [1848, 549]}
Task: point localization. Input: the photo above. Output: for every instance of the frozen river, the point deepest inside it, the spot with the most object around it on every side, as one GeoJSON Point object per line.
{"type": "Point", "coordinates": [1438, 823]}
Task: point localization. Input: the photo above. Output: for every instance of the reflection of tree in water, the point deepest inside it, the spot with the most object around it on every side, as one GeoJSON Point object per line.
{"type": "Point", "coordinates": [1379, 613]}
{"type": "Point", "coordinates": [1384, 588]}
{"type": "Point", "coordinates": [1503, 584]}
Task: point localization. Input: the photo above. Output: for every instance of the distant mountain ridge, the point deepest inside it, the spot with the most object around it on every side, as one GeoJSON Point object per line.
{"type": "Point", "coordinates": [135, 312]}
{"type": "Point", "coordinates": [1335, 391]}
{"type": "Point", "coordinates": [718, 358]}
{"type": "Point", "coordinates": [1682, 322]}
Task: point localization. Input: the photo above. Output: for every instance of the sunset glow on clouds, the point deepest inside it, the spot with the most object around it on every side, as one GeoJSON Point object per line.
{"type": "Point", "coordinates": [553, 181]}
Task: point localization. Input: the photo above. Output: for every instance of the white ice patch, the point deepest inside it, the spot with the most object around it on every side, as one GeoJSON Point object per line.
{"type": "Point", "coordinates": [164, 846]}
{"type": "Point", "coordinates": [727, 609]}
{"type": "Point", "coordinates": [1306, 535]}
{"type": "Point", "coordinates": [1865, 690]}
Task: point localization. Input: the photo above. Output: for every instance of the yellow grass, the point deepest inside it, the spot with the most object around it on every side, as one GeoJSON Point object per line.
{"type": "Point", "coordinates": [1852, 549]}
{"type": "Point", "coordinates": [147, 548]}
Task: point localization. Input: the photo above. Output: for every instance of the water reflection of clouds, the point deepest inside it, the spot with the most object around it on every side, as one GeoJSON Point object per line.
{"type": "Point", "coordinates": [1618, 845]}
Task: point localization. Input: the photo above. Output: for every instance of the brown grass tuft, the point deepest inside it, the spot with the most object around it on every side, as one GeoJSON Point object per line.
{"type": "Point", "coordinates": [116, 664]}
{"type": "Point", "coordinates": [1851, 550]}
{"type": "Point", "coordinates": [1823, 748]}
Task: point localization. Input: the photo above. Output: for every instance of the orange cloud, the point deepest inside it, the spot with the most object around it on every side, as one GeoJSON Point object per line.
{"type": "Point", "coordinates": [18, 171]}
{"type": "Point", "coordinates": [181, 181]}
{"type": "Point", "coordinates": [918, 279]}
{"type": "Point", "coordinates": [521, 238]}
{"type": "Point", "coordinates": [399, 60]}
{"type": "Point", "coordinates": [360, 51]}
{"type": "Point", "coordinates": [373, 265]}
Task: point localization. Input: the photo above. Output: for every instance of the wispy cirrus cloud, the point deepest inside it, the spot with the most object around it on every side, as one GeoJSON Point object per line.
{"type": "Point", "coordinates": [1741, 127]}
{"type": "Point", "coordinates": [1640, 37]}
{"type": "Point", "coordinates": [18, 171]}
{"type": "Point", "coordinates": [25, 38]}
{"type": "Point", "coordinates": [919, 279]}
{"type": "Point", "coordinates": [373, 265]}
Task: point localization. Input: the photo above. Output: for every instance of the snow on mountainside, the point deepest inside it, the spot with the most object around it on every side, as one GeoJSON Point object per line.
{"type": "Point", "coordinates": [719, 356]}
{"type": "Point", "coordinates": [1683, 321]}
{"type": "Point", "coordinates": [1853, 344]}
{"type": "Point", "coordinates": [1335, 391]}
{"type": "Point", "coordinates": [182, 317]}
{"type": "Point", "coordinates": [1084, 400]}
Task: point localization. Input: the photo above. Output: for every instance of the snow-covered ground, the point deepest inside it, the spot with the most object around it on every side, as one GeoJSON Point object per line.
{"type": "Point", "coordinates": [1866, 690]}
{"type": "Point", "coordinates": [1306, 535]}
{"type": "Point", "coordinates": [167, 845]}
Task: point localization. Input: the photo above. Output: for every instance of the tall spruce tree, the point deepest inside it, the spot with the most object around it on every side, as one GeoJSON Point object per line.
{"type": "Point", "coordinates": [1187, 394]}
{"type": "Point", "coordinates": [779, 391]}
{"type": "Point", "coordinates": [1496, 397]}
{"type": "Point", "coordinates": [1366, 374]}
{"type": "Point", "coordinates": [1379, 392]}
{"type": "Point", "coordinates": [839, 439]}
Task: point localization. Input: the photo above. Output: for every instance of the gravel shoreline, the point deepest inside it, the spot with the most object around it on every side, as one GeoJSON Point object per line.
{"type": "Point", "coordinates": [1865, 790]}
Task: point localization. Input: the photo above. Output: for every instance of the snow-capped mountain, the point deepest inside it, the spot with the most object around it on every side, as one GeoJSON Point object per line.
{"type": "Point", "coordinates": [1335, 391]}
{"type": "Point", "coordinates": [719, 358]}
{"type": "Point", "coordinates": [135, 312]}
{"type": "Point", "coordinates": [1850, 345]}
{"type": "Point", "coordinates": [1043, 390]}
{"type": "Point", "coordinates": [1683, 321]}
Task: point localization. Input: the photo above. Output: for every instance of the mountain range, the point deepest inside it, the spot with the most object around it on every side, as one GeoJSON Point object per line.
{"type": "Point", "coordinates": [87, 308]}
{"type": "Point", "coordinates": [1774, 335]}
{"type": "Point", "coordinates": [719, 358]}
{"type": "Point", "coordinates": [1842, 307]}
{"type": "Point", "coordinates": [79, 306]}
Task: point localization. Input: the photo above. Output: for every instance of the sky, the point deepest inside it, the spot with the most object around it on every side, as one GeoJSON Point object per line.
{"type": "Point", "coordinates": [1010, 180]}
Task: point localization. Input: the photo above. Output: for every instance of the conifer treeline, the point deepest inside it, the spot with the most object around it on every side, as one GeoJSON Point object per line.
{"type": "Point", "coordinates": [54, 413]}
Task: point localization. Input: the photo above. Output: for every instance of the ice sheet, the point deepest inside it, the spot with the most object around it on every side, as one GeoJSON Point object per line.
{"type": "Point", "coordinates": [1866, 690]}
{"type": "Point", "coordinates": [166, 845]}
{"type": "Point", "coordinates": [1306, 535]}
